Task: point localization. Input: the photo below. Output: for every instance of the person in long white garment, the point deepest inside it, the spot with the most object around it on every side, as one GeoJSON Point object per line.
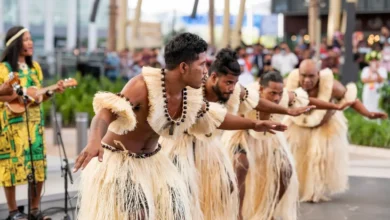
{"type": "Point", "coordinates": [373, 77]}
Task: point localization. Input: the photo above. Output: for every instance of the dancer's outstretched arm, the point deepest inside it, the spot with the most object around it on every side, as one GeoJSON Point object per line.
{"type": "Point", "coordinates": [270, 107]}
{"type": "Point", "coordinates": [319, 104]}
{"type": "Point", "coordinates": [233, 122]}
{"type": "Point", "coordinates": [339, 91]}
{"type": "Point", "coordinates": [361, 109]}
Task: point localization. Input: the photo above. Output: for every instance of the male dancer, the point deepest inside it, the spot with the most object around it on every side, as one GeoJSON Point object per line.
{"type": "Point", "coordinates": [319, 139]}
{"type": "Point", "coordinates": [271, 190]}
{"type": "Point", "coordinates": [213, 180]}
{"type": "Point", "coordinates": [135, 180]}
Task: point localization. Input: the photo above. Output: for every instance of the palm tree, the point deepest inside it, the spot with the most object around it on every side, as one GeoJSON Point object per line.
{"type": "Point", "coordinates": [226, 25]}
{"type": "Point", "coordinates": [111, 26]}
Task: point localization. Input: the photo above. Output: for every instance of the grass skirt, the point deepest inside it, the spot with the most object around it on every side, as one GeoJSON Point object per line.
{"type": "Point", "coordinates": [181, 152]}
{"type": "Point", "coordinates": [123, 187]}
{"type": "Point", "coordinates": [269, 164]}
{"type": "Point", "coordinates": [218, 185]}
{"type": "Point", "coordinates": [321, 156]}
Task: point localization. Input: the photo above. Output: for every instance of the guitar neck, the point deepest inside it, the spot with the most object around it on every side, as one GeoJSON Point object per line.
{"type": "Point", "coordinates": [49, 88]}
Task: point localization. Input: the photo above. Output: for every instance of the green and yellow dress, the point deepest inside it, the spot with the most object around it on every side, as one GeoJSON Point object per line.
{"type": "Point", "coordinates": [15, 159]}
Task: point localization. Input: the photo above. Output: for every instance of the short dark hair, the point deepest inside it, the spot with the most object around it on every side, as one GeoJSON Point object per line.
{"type": "Point", "coordinates": [11, 52]}
{"type": "Point", "coordinates": [271, 76]}
{"type": "Point", "coordinates": [185, 47]}
{"type": "Point", "coordinates": [238, 49]}
{"type": "Point", "coordinates": [226, 63]}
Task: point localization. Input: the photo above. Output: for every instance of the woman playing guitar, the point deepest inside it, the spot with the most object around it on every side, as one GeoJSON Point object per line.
{"type": "Point", "coordinates": [15, 157]}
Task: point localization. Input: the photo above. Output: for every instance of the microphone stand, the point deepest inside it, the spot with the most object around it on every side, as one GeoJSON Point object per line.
{"type": "Point", "coordinates": [32, 183]}
{"type": "Point", "coordinates": [65, 171]}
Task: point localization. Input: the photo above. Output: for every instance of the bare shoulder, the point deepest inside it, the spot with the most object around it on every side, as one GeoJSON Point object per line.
{"type": "Point", "coordinates": [136, 90]}
{"type": "Point", "coordinates": [338, 90]}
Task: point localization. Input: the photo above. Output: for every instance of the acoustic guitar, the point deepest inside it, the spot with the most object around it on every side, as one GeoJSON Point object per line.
{"type": "Point", "coordinates": [13, 80]}
{"type": "Point", "coordinates": [35, 96]}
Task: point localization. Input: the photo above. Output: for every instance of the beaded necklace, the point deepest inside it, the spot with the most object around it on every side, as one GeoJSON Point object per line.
{"type": "Point", "coordinates": [172, 121]}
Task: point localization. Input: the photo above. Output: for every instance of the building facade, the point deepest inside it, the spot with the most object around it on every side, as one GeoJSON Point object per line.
{"type": "Point", "coordinates": [371, 15]}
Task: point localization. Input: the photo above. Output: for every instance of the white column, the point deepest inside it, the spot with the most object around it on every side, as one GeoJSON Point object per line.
{"type": "Point", "coordinates": [92, 37]}
{"type": "Point", "coordinates": [249, 23]}
{"type": "Point", "coordinates": [49, 26]}
{"type": "Point", "coordinates": [280, 25]}
{"type": "Point", "coordinates": [92, 31]}
{"type": "Point", "coordinates": [2, 31]}
{"type": "Point", "coordinates": [71, 30]}
{"type": "Point", "coordinates": [23, 13]}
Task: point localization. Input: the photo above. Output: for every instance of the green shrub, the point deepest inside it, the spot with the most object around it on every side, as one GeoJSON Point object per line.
{"type": "Point", "coordinates": [362, 131]}
{"type": "Point", "coordinates": [384, 102]}
{"type": "Point", "coordinates": [367, 132]}
{"type": "Point", "coordinates": [80, 98]}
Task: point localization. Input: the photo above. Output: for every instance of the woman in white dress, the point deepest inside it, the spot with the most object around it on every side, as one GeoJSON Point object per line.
{"type": "Point", "coordinates": [373, 77]}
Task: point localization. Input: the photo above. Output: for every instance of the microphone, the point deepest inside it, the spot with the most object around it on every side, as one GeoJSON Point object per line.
{"type": "Point", "coordinates": [19, 90]}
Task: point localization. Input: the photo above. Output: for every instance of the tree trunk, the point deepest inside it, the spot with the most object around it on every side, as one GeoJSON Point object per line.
{"type": "Point", "coordinates": [226, 25]}
{"type": "Point", "coordinates": [333, 19]}
{"type": "Point", "coordinates": [134, 26]}
{"type": "Point", "coordinates": [111, 26]}
{"type": "Point", "coordinates": [122, 26]}
{"type": "Point", "coordinates": [313, 11]}
{"type": "Point", "coordinates": [237, 30]}
{"type": "Point", "coordinates": [211, 23]}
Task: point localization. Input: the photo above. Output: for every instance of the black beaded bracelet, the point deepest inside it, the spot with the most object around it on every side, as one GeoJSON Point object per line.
{"type": "Point", "coordinates": [49, 93]}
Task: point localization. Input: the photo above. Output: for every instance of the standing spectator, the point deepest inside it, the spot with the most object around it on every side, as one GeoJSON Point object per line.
{"type": "Point", "coordinates": [338, 40]}
{"type": "Point", "coordinates": [258, 59]}
{"type": "Point", "coordinates": [373, 77]}
{"type": "Point", "coordinates": [285, 61]}
{"type": "Point", "coordinates": [267, 64]}
{"type": "Point", "coordinates": [112, 65]}
{"type": "Point", "coordinates": [153, 62]}
{"type": "Point", "coordinates": [331, 61]}
{"type": "Point", "coordinates": [246, 76]}
{"type": "Point", "coordinates": [385, 36]}
{"type": "Point", "coordinates": [125, 64]}
{"type": "Point", "coordinates": [385, 62]}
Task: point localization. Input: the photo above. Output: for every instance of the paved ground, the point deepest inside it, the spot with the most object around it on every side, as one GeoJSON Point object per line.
{"type": "Point", "coordinates": [367, 199]}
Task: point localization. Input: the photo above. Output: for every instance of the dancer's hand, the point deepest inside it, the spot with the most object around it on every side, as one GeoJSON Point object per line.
{"type": "Point", "coordinates": [377, 115]}
{"type": "Point", "coordinates": [300, 110]}
{"type": "Point", "coordinates": [344, 105]}
{"type": "Point", "coordinates": [92, 150]}
{"type": "Point", "coordinates": [269, 126]}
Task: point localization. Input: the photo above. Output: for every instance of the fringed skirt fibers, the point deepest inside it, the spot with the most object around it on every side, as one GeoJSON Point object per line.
{"type": "Point", "coordinates": [270, 170]}
{"type": "Point", "coordinates": [321, 156]}
{"type": "Point", "coordinates": [123, 187]}
{"type": "Point", "coordinates": [218, 187]}
{"type": "Point", "coordinates": [181, 152]}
